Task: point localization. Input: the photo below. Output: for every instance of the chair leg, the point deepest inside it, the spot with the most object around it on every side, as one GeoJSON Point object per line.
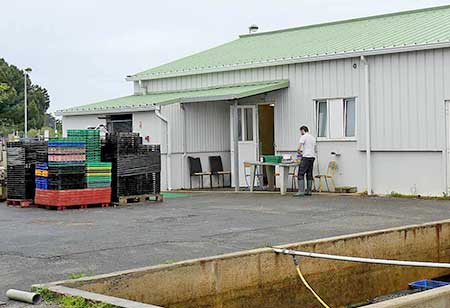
{"type": "Point", "coordinates": [210, 181]}
{"type": "Point", "coordinates": [190, 182]}
{"type": "Point", "coordinates": [328, 187]}
{"type": "Point", "coordinates": [201, 177]}
{"type": "Point", "coordinates": [334, 184]}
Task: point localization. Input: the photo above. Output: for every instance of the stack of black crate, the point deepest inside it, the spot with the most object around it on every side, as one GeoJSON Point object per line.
{"type": "Point", "coordinates": [136, 168]}
{"type": "Point", "coordinates": [22, 157]}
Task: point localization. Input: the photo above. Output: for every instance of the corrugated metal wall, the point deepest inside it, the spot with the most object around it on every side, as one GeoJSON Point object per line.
{"type": "Point", "coordinates": [294, 106]}
{"type": "Point", "coordinates": [208, 127]}
{"type": "Point", "coordinates": [407, 93]}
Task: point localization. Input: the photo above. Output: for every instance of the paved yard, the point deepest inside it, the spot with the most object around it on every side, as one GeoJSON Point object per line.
{"type": "Point", "coordinates": [39, 246]}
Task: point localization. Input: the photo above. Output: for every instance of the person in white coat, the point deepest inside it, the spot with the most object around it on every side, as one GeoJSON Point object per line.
{"type": "Point", "coordinates": [306, 148]}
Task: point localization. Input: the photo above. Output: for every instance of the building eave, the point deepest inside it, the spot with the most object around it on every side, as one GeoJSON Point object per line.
{"type": "Point", "coordinates": [100, 111]}
{"type": "Point", "coordinates": [294, 60]}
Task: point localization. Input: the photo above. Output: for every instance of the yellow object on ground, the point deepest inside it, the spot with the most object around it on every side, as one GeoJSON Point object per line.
{"type": "Point", "coordinates": [297, 266]}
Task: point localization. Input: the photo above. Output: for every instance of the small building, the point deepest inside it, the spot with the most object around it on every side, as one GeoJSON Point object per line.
{"type": "Point", "coordinates": [375, 91]}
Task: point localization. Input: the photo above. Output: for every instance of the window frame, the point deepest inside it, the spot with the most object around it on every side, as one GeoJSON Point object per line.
{"type": "Point", "coordinates": [344, 118]}
{"type": "Point", "coordinates": [243, 124]}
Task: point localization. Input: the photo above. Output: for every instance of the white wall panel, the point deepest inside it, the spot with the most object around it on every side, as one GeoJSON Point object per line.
{"type": "Point", "coordinates": [406, 173]}
{"type": "Point", "coordinates": [407, 96]}
{"type": "Point", "coordinates": [208, 127]}
{"type": "Point", "coordinates": [147, 124]}
{"type": "Point", "coordinates": [81, 122]}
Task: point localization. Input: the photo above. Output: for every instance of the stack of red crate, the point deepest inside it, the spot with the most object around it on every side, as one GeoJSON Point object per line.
{"type": "Point", "coordinates": [73, 196]}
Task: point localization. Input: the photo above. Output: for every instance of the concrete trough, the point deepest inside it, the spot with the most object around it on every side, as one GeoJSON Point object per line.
{"type": "Point", "coordinates": [263, 279]}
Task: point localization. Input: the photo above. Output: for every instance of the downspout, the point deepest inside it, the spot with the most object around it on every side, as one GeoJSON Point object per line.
{"type": "Point", "coordinates": [168, 147]}
{"type": "Point", "coordinates": [236, 146]}
{"type": "Point", "coordinates": [184, 146]}
{"type": "Point", "coordinates": [368, 138]}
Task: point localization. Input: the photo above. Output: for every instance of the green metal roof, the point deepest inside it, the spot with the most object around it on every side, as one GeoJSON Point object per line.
{"type": "Point", "coordinates": [397, 31]}
{"type": "Point", "coordinates": [147, 102]}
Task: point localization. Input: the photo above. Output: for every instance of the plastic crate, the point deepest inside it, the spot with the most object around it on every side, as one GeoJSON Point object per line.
{"type": "Point", "coordinates": [427, 284]}
{"type": "Point", "coordinates": [73, 196]}
{"type": "Point", "coordinates": [274, 159]}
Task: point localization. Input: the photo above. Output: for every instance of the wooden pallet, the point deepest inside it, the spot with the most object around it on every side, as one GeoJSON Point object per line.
{"type": "Point", "coordinates": [19, 202]}
{"type": "Point", "coordinates": [140, 199]}
{"type": "Point", "coordinates": [64, 207]}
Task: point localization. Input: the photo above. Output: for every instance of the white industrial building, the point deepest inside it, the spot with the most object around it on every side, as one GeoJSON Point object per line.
{"type": "Point", "coordinates": [375, 90]}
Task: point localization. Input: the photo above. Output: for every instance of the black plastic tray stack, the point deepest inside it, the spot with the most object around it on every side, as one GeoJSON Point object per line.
{"type": "Point", "coordinates": [66, 177]}
{"type": "Point", "coordinates": [136, 168]}
{"type": "Point", "coordinates": [21, 162]}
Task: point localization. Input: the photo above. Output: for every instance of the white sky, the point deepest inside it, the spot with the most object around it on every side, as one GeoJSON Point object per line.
{"type": "Point", "coordinates": [81, 50]}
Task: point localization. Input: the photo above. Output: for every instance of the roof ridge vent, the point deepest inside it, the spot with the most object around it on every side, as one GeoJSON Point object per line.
{"type": "Point", "coordinates": [253, 29]}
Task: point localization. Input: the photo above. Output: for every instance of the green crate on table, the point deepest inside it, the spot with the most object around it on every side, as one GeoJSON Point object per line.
{"type": "Point", "coordinates": [274, 159]}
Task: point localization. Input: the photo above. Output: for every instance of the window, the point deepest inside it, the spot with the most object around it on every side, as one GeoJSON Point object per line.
{"type": "Point", "coordinates": [336, 118]}
{"type": "Point", "coordinates": [245, 123]}
{"type": "Point", "coordinates": [350, 117]}
{"type": "Point", "coordinates": [248, 124]}
{"type": "Point", "coordinates": [239, 112]}
{"type": "Point", "coordinates": [322, 119]}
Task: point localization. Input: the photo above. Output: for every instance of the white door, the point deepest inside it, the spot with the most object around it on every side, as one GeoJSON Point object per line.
{"type": "Point", "coordinates": [247, 139]}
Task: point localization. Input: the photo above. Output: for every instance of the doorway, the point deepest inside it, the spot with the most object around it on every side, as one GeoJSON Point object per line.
{"type": "Point", "coordinates": [266, 129]}
{"type": "Point", "coordinates": [255, 136]}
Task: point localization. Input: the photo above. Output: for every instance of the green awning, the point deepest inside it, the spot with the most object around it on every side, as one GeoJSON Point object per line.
{"type": "Point", "coordinates": [149, 101]}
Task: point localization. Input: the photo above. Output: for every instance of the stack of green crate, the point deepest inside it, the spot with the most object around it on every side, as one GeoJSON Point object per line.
{"type": "Point", "coordinates": [92, 139]}
{"type": "Point", "coordinates": [98, 174]}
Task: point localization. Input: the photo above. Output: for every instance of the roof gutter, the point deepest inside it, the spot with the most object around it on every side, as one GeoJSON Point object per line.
{"type": "Point", "coordinates": [293, 60]}
{"type": "Point", "coordinates": [168, 147]}
{"type": "Point", "coordinates": [105, 110]}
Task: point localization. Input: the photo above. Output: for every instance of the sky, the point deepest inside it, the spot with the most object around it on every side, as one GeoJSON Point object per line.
{"type": "Point", "coordinates": [82, 50]}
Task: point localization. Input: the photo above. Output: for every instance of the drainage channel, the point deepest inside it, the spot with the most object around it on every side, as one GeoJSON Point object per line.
{"type": "Point", "coordinates": [264, 279]}
{"type": "Point", "coordinates": [415, 287]}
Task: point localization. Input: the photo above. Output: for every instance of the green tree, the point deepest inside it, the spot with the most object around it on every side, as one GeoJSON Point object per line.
{"type": "Point", "coordinates": [12, 100]}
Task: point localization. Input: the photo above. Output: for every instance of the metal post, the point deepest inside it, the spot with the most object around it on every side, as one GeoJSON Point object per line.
{"type": "Point", "coordinates": [25, 75]}
{"type": "Point", "coordinates": [236, 146]}
{"type": "Point", "coordinates": [26, 106]}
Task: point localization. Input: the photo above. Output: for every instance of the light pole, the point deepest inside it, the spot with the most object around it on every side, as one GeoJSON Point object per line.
{"type": "Point", "coordinates": [25, 75]}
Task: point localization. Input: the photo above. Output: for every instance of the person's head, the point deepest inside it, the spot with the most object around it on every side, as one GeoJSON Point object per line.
{"type": "Point", "coordinates": [304, 129]}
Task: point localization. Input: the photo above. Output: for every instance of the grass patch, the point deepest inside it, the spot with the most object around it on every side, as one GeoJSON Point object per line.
{"type": "Point", "coordinates": [69, 301]}
{"type": "Point", "coordinates": [46, 294]}
{"type": "Point", "coordinates": [79, 302]}
{"type": "Point", "coordinates": [402, 196]}
{"type": "Point", "coordinates": [76, 275]}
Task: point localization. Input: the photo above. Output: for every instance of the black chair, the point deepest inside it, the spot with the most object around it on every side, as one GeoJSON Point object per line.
{"type": "Point", "coordinates": [216, 168]}
{"type": "Point", "coordinates": [195, 169]}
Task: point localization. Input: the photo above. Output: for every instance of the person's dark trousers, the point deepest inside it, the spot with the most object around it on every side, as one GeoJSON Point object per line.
{"type": "Point", "coordinates": [306, 168]}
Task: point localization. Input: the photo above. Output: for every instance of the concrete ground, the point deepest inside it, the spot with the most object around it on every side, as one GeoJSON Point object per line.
{"type": "Point", "coordinates": [38, 246]}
